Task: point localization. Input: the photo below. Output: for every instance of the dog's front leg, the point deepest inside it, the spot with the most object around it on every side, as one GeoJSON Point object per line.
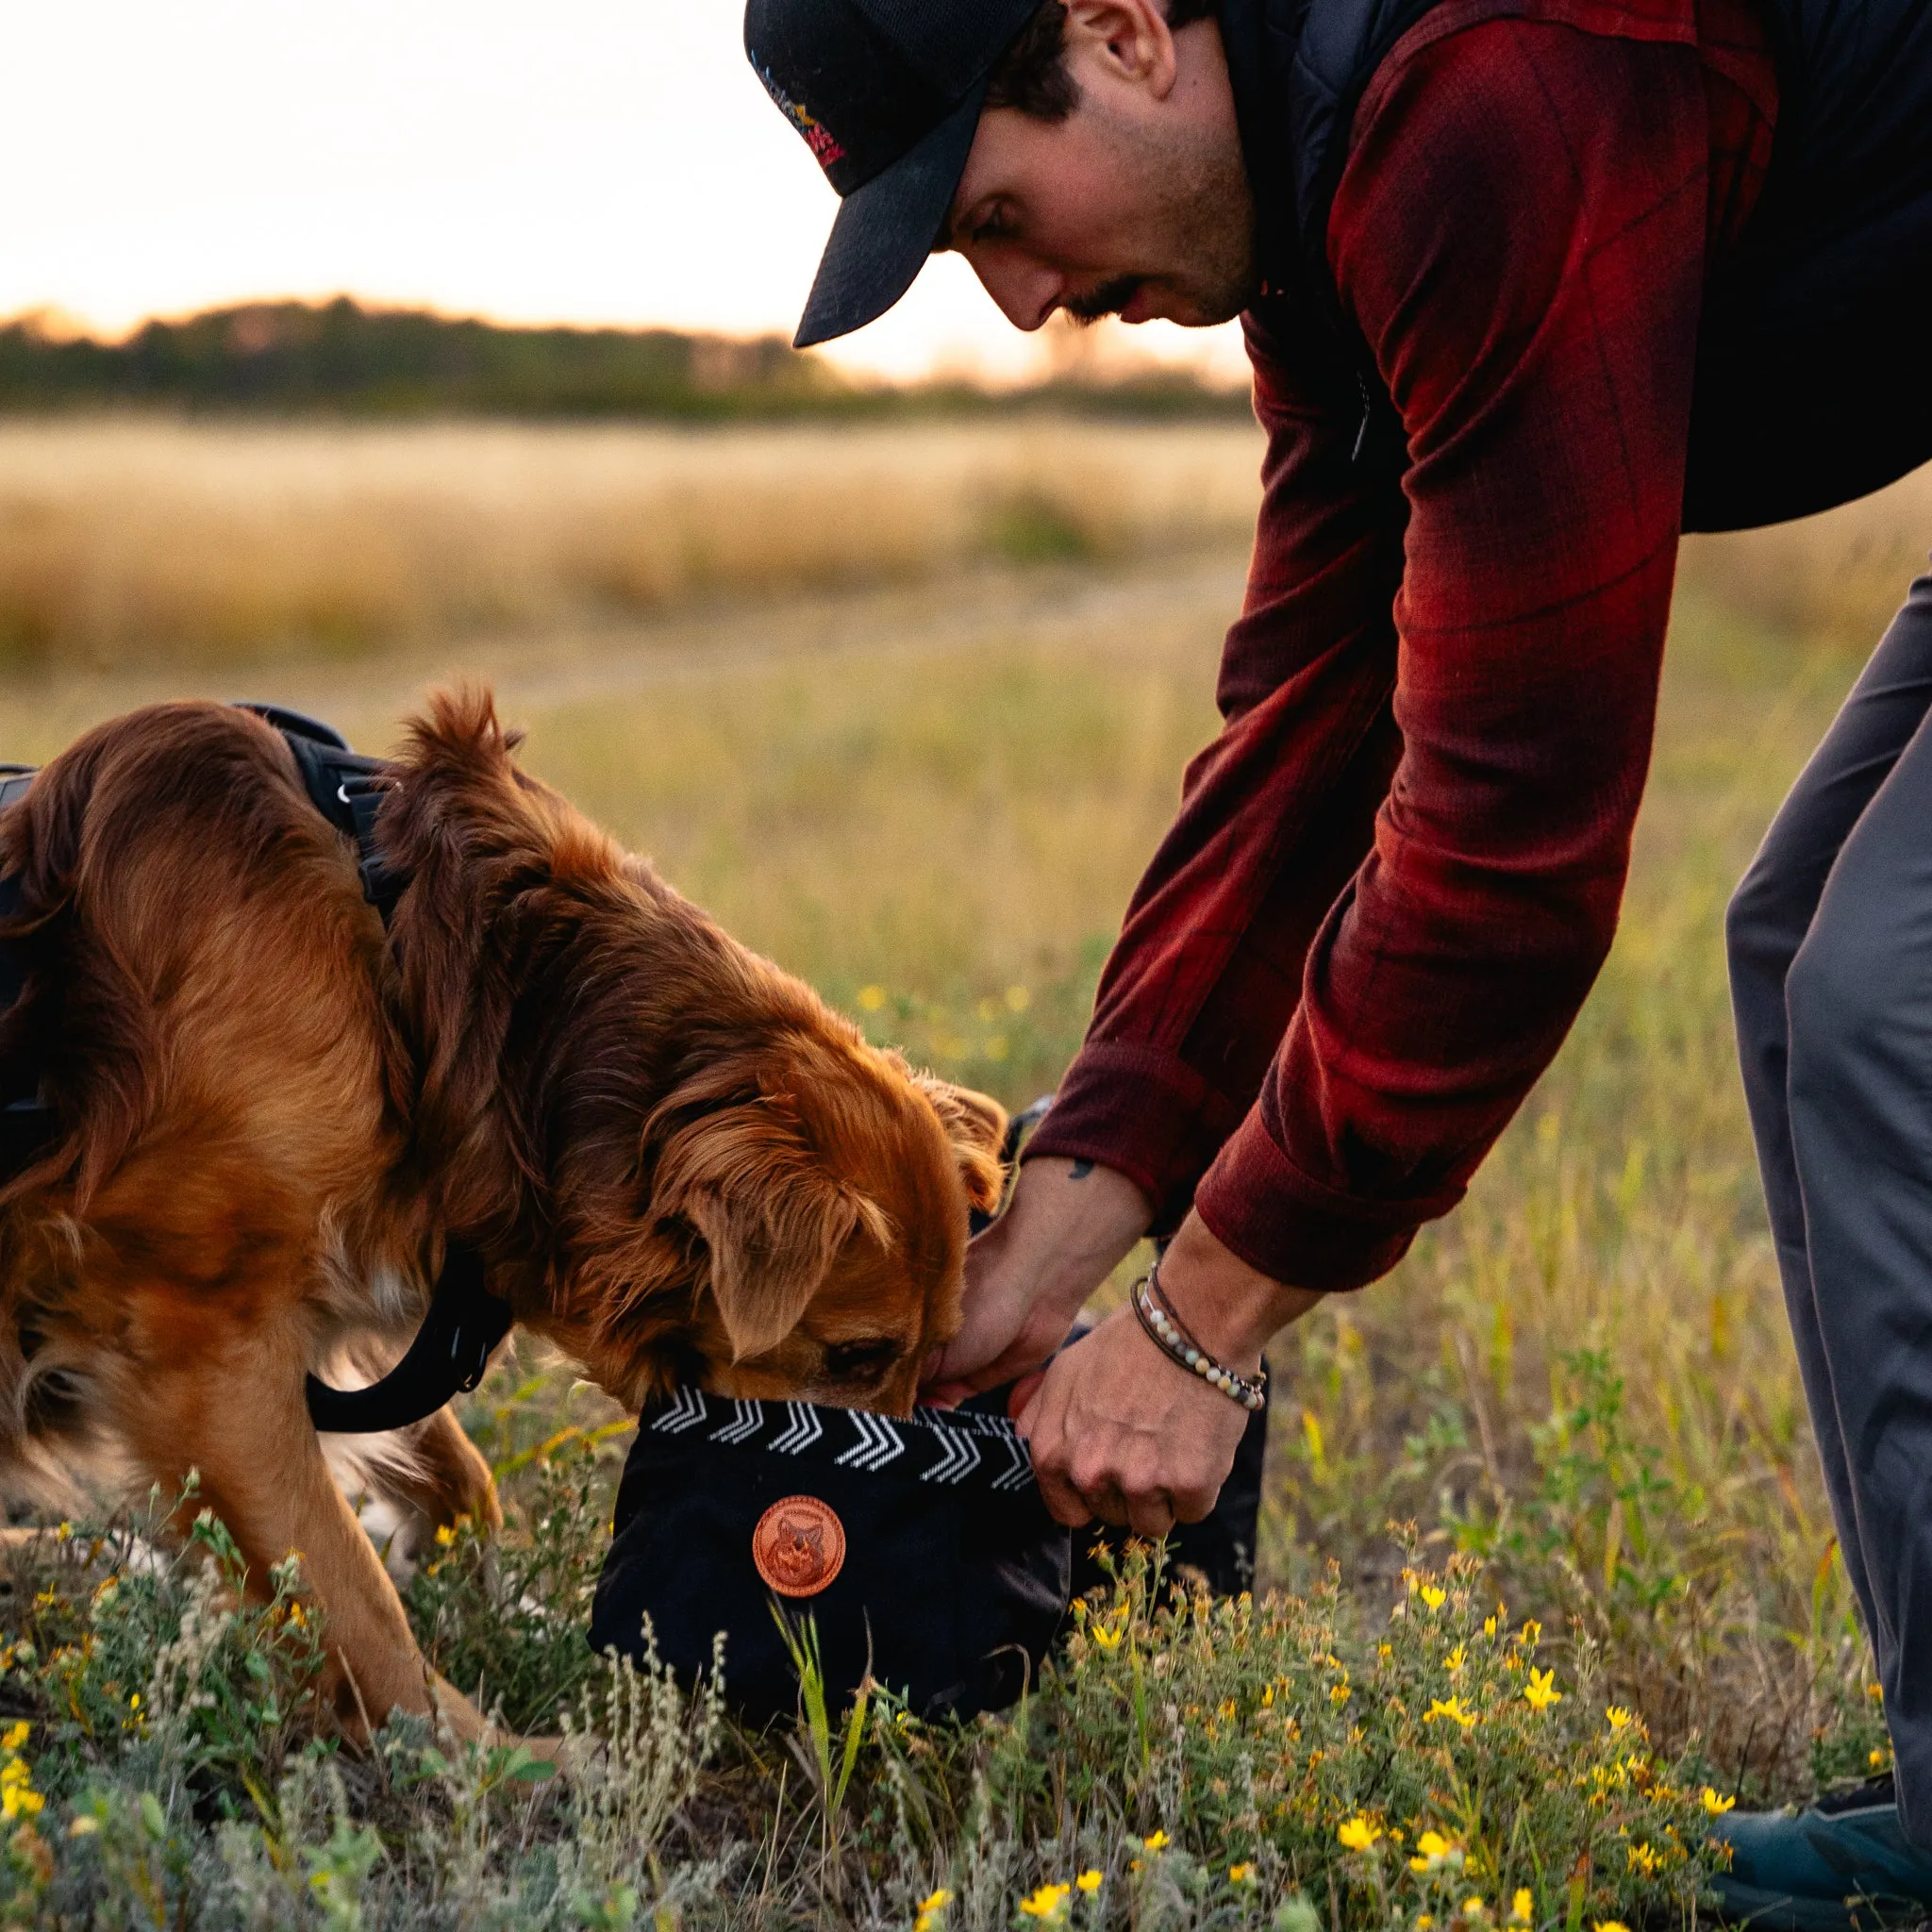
{"type": "Point", "coordinates": [238, 1415]}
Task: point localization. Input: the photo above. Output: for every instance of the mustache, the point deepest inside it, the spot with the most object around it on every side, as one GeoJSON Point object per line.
{"type": "Point", "coordinates": [1108, 299]}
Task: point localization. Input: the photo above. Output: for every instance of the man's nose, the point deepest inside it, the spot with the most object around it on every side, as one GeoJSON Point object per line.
{"type": "Point", "coordinates": [1026, 291]}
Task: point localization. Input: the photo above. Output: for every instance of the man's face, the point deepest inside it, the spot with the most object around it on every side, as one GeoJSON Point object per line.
{"type": "Point", "coordinates": [1137, 203]}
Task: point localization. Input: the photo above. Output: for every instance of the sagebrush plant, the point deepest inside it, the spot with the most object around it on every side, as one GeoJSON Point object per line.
{"type": "Point", "coordinates": [1343, 1764]}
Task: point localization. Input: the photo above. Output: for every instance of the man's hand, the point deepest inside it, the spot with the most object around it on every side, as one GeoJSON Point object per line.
{"type": "Point", "coordinates": [1121, 1431]}
{"type": "Point", "coordinates": [1029, 1276]}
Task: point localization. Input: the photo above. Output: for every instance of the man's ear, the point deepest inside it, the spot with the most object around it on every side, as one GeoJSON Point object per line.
{"type": "Point", "coordinates": [976, 1127]}
{"type": "Point", "coordinates": [773, 1218]}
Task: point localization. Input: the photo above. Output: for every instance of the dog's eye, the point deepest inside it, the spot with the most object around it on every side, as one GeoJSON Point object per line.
{"type": "Point", "coordinates": [860, 1361]}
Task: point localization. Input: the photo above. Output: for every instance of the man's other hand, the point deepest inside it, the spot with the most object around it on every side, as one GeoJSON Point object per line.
{"type": "Point", "coordinates": [1121, 1431]}
{"type": "Point", "coordinates": [1068, 1225]}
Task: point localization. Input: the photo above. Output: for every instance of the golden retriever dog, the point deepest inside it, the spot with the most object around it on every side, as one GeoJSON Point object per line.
{"type": "Point", "coordinates": [677, 1163]}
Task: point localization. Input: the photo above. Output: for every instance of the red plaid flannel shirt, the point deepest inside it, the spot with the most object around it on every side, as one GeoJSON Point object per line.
{"type": "Point", "coordinates": [1397, 872]}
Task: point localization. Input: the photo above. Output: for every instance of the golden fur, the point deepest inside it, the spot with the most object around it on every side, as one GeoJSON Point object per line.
{"type": "Point", "coordinates": [676, 1160]}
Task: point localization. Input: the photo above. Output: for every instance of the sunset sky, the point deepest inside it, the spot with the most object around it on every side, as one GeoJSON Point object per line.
{"type": "Point", "coordinates": [585, 160]}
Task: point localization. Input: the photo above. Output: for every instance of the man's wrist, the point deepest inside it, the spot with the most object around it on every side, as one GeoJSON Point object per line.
{"type": "Point", "coordinates": [1067, 1226]}
{"type": "Point", "coordinates": [1231, 1308]}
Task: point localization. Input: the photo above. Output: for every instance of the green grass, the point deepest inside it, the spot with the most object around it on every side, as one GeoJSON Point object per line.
{"type": "Point", "coordinates": [1578, 1393]}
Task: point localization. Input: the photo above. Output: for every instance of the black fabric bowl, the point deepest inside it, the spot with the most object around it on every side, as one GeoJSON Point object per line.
{"type": "Point", "coordinates": [949, 1569]}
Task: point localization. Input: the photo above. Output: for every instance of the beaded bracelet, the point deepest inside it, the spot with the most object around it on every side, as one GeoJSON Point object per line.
{"type": "Point", "coordinates": [1167, 1333]}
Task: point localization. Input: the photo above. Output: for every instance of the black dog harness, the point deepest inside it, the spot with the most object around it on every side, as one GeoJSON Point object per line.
{"type": "Point", "coordinates": [465, 1320]}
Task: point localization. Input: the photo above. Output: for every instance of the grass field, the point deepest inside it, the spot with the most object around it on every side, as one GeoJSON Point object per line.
{"type": "Point", "coordinates": [929, 786]}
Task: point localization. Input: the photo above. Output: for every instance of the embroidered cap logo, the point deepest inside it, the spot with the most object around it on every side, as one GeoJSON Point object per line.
{"type": "Point", "coordinates": [818, 137]}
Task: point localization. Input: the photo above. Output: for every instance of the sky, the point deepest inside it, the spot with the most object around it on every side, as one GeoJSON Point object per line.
{"type": "Point", "coordinates": [581, 160]}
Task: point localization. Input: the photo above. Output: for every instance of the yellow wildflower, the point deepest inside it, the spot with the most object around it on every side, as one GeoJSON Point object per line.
{"type": "Point", "coordinates": [1641, 1858]}
{"type": "Point", "coordinates": [872, 997]}
{"type": "Point", "coordinates": [1540, 1691]}
{"type": "Point", "coordinates": [1357, 1834]}
{"type": "Point", "coordinates": [1523, 1908]}
{"type": "Point", "coordinates": [18, 1797]}
{"type": "Point", "coordinates": [1610, 1925]}
{"type": "Point", "coordinates": [1048, 1903]}
{"type": "Point", "coordinates": [1435, 1598]}
{"type": "Point", "coordinates": [1424, 1921]}
{"type": "Point", "coordinates": [1617, 1717]}
{"type": "Point", "coordinates": [1473, 1908]}
{"type": "Point", "coordinates": [83, 1827]}
{"type": "Point", "coordinates": [1109, 1635]}
{"type": "Point", "coordinates": [1874, 1691]}
{"type": "Point", "coordinates": [1532, 1633]}
{"type": "Point", "coordinates": [1157, 1842]}
{"type": "Point", "coordinates": [1457, 1658]}
{"type": "Point", "coordinates": [1339, 1695]}
{"type": "Point", "coordinates": [1430, 1850]}
{"type": "Point", "coordinates": [1489, 1627]}
{"type": "Point", "coordinates": [1229, 1711]}
{"type": "Point", "coordinates": [1878, 1759]}
{"type": "Point", "coordinates": [16, 1736]}
{"type": "Point", "coordinates": [1242, 1873]}
{"type": "Point", "coordinates": [1452, 1708]}
{"type": "Point", "coordinates": [1714, 1805]}
{"type": "Point", "coordinates": [1089, 1881]}
{"type": "Point", "coordinates": [1268, 1698]}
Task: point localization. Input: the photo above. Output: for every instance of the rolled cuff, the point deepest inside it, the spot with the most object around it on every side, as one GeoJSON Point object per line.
{"type": "Point", "coordinates": [1258, 1202]}
{"type": "Point", "coordinates": [1144, 1113]}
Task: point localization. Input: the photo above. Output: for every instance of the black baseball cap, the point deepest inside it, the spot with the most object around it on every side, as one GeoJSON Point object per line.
{"type": "Point", "coordinates": [886, 94]}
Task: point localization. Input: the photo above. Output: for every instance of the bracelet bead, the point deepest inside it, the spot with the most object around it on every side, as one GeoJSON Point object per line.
{"type": "Point", "coordinates": [1166, 1332]}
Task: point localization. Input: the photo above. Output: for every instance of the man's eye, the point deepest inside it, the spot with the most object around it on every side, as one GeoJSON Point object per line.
{"type": "Point", "coordinates": [854, 1361]}
{"type": "Point", "coordinates": [992, 226]}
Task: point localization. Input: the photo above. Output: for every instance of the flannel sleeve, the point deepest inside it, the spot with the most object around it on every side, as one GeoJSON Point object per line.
{"type": "Point", "coordinates": [1274, 814]}
{"type": "Point", "coordinates": [1428, 954]}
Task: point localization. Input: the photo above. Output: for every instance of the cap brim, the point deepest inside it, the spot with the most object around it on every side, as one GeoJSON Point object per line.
{"type": "Point", "coordinates": [886, 229]}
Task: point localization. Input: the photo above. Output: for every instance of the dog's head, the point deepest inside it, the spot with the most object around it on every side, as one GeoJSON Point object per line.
{"type": "Point", "coordinates": [819, 1190]}
{"type": "Point", "coordinates": [698, 1170]}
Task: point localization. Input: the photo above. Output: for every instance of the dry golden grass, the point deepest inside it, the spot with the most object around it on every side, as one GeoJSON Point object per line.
{"type": "Point", "coordinates": [144, 541]}
{"type": "Point", "coordinates": [934, 798]}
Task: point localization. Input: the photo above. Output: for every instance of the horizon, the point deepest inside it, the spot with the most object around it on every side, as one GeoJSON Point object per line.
{"type": "Point", "coordinates": [1066, 350]}
{"type": "Point", "coordinates": [595, 168]}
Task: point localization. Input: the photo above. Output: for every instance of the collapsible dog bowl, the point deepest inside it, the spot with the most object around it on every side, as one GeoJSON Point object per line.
{"type": "Point", "coordinates": [919, 1546]}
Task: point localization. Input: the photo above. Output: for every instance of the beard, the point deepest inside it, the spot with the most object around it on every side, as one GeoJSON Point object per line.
{"type": "Point", "coordinates": [1197, 227]}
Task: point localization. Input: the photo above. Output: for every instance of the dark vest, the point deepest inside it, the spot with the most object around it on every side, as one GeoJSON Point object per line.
{"type": "Point", "coordinates": [1814, 354]}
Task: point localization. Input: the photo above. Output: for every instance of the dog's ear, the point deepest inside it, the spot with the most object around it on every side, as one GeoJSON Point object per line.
{"type": "Point", "coordinates": [976, 1127]}
{"type": "Point", "coordinates": [773, 1216]}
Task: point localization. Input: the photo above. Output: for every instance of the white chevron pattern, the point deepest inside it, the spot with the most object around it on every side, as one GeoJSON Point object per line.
{"type": "Point", "coordinates": [1020, 1472]}
{"type": "Point", "coordinates": [878, 1443]}
{"type": "Point", "coordinates": [963, 1440]}
{"type": "Point", "coordinates": [958, 1456]}
{"type": "Point", "coordinates": [686, 1412]}
{"type": "Point", "coordinates": [803, 1430]}
{"type": "Point", "coordinates": [749, 1421]}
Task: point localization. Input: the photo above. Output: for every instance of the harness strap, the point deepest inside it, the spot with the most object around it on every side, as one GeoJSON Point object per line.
{"type": "Point", "coordinates": [465, 1321]}
{"type": "Point", "coordinates": [449, 1357]}
{"type": "Point", "coordinates": [348, 789]}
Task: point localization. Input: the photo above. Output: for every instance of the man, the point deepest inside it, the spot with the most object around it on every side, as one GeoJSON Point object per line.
{"type": "Point", "coordinates": [1529, 286]}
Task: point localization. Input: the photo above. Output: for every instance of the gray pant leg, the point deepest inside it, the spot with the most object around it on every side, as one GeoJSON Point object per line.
{"type": "Point", "coordinates": [1831, 960]}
